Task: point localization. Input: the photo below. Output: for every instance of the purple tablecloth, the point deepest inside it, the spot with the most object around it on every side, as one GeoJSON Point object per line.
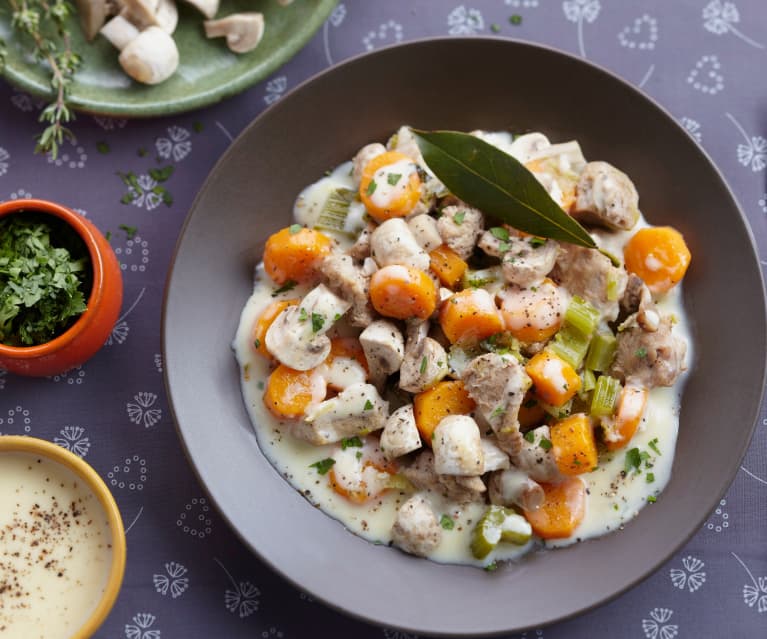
{"type": "Point", "coordinates": [188, 575]}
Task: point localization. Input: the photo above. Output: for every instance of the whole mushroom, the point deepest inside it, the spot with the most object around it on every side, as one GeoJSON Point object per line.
{"type": "Point", "coordinates": [243, 31]}
{"type": "Point", "coordinates": [151, 57]}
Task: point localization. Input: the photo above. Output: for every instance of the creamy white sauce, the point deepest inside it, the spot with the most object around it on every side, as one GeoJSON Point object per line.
{"type": "Point", "coordinates": [392, 182]}
{"type": "Point", "coordinates": [612, 500]}
{"type": "Point", "coordinates": [55, 549]}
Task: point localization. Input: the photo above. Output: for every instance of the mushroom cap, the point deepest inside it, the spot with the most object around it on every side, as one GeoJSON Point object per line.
{"type": "Point", "coordinates": [243, 31]}
{"type": "Point", "coordinates": [93, 14]}
{"type": "Point", "coordinates": [151, 57]}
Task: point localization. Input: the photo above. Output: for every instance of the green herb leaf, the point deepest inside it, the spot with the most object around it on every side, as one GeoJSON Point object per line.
{"type": "Point", "coordinates": [516, 19]}
{"type": "Point", "coordinates": [130, 231]}
{"type": "Point", "coordinates": [358, 455]}
{"type": "Point", "coordinates": [368, 405]}
{"type": "Point", "coordinates": [424, 362]}
{"type": "Point", "coordinates": [198, 127]}
{"type": "Point", "coordinates": [633, 460]}
{"type": "Point", "coordinates": [545, 444]}
{"type": "Point", "coordinates": [257, 343]}
{"type": "Point", "coordinates": [492, 567]}
{"type": "Point", "coordinates": [500, 233]}
{"type": "Point", "coordinates": [499, 410]}
{"type": "Point", "coordinates": [652, 499]}
{"type": "Point", "coordinates": [497, 184]}
{"type": "Point", "coordinates": [371, 188]}
{"type": "Point", "coordinates": [650, 478]}
{"type": "Point", "coordinates": [295, 228]}
{"type": "Point", "coordinates": [324, 465]}
{"type": "Point", "coordinates": [535, 242]}
{"type": "Point", "coordinates": [318, 321]}
{"type": "Point", "coordinates": [393, 178]}
{"type": "Point", "coordinates": [530, 436]}
{"type": "Point", "coordinates": [447, 522]}
{"type": "Point", "coordinates": [161, 174]}
{"type": "Point", "coordinates": [459, 217]}
{"type": "Point", "coordinates": [102, 147]}
{"type": "Point", "coordinates": [653, 444]}
{"type": "Point", "coordinates": [641, 352]}
{"type": "Point", "coordinates": [142, 152]}
{"type": "Point", "coordinates": [287, 286]}
{"type": "Point", "coordinates": [303, 315]}
{"type": "Point", "coordinates": [495, 28]}
{"type": "Point", "coordinates": [108, 236]}
{"type": "Point", "coordinates": [351, 442]}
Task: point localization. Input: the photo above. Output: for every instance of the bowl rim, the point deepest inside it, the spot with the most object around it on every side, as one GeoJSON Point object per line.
{"type": "Point", "coordinates": [650, 569]}
{"type": "Point", "coordinates": [77, 465]}
{"type": "Point", "coordinates": [89, 235]}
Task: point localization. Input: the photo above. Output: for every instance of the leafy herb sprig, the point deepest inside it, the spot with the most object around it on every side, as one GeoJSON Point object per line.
{"type": "Point", "coordinates": [44, 23]}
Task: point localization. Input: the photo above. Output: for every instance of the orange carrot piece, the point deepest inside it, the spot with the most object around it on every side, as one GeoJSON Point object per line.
{"type": "Point", "coordinates": [575, 449]}
{"type": "Point", "coordinates": [264, 321]}
{"type": "Point", "coordinates": [403, 292]}
{"type": "Point", "coordinates": [631, 405]}
{"type": "Point", "coordinates": [554, 379]}
{"type": "Point", "coordinates": [470, 315]}
{"type": "Point", "coordinates": [361, 492]}
{"type": "Point", "coordinates": [659, 256]}
{"type": "Point", "coordinates": [406, 193]}
{"type": "Point", "coordinates": [533, 314]}
{"type": "Point", "coordinates": [564, 506]}
{"type": "Point", "coordinates": [447, 265]}
{"type": "Point", "coordinates": [432, 406]}
{"type": "Point", "coordinates": [288, 392]}
{"type": "Point", "coordinates": [294, 254]}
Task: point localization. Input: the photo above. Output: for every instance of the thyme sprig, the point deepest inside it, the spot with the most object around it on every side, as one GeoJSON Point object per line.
{"type": "Point", "coordinates": [44, 23]}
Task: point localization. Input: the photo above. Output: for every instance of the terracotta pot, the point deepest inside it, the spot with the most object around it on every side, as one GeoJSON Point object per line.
{"type": "Point", "coordinates": [88, 334]}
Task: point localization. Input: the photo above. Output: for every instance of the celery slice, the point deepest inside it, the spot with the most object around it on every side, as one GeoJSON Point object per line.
{"type": "Point", "coordinates": [497, 525]}
{"type": "Point", "coordinates": [569, 345]}
{"type": "Point", "coordinates": [581, 316]}
{"type": "Point", "coordinates": [588, 382]}
{"type": "Point", "coordinates": [605, 396]}
{"type": "Point", "coordinates": [335, 210]}
{"type": "Point", "coordinates": [601, 352]}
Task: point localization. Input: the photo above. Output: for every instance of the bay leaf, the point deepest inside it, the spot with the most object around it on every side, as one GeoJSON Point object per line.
{"type": "Point", "coordinates": [498, 184]}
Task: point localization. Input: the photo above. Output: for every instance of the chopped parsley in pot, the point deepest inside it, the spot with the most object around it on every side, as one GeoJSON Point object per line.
{"type": "Point", "coordinates": [45, 278]}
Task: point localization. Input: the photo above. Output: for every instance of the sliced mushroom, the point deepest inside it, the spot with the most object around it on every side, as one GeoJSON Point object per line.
{"type": "Point", "coordinates": [119, 32]}
{"type": "Point", "coordinates": [400, 434]}
{"type": "Point", "coordinates": [297, 336]}
{"type": "Point", "coordinates": [151, 57]}
{"type": "Point", "coordinates": [93, 14]}
{"type": "Point", "coordinates": [384, 349]}
{"type": "Point", "coordinates": [208, 8]}
{"type": "Point", "coordinates": [243, 31]}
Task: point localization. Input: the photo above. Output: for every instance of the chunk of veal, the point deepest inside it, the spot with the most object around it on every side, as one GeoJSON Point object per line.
{"type": "Point", "coordinates": [394, 243]}
{"type": "Point", "coordinates": [498, 385]}
{"type": "Point", "coordinates": [347, 280]}
{"type": "Point", "coordinates": [637, 298]}
{"type": "Point", "coordinates": [297, 336]}
{"type": "Point", "coordinates": [590, 274]}
{"type": "Point", "coordinates": [536, 456]}
{"type": "Point", "coordinates": [425, 363]}
{"type": "Point", "coordinates": [649, 358]}
{"type": "Point", "coordinates": [457, 447]}
{"type": "Point", "coordinates": [357, 410]}
{"type": "Point", "coordinates": [422, 475]}
{"type": "Point", "coordinates": [606, 197]}
{"type": "Point", "coordinates": [384, 349]}
{"type": "Point", "coordinates": [400, 434]}
{"type": "Point", "coordinates": [416, 529]}
{"type": "Point", "coordinates": [525, 260]}
{"type": "Point", "coordinates": [495, 457]}
{"type": "Point", "coordinates": [460, 226]}
{"type": "Point", "coordinates": [514, 487]}
{"type": "Point", "coordinates": [364, 155]}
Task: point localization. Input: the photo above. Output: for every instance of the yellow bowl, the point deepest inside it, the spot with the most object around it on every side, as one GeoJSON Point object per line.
{"type": "Point", "coordinates": [83, 470]}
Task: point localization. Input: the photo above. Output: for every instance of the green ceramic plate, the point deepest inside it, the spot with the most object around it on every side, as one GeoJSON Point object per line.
{"type": "Point", "coordinates": [208, 71]}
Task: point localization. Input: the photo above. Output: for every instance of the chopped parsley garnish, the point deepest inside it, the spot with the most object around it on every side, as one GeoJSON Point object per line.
{"type": "Point", "coordinates": [336, 317]}
{"type": "Point", "coordinates": [516, 19]}
{"type": "Point", "coordinates": [633, 460]}
{"type": "Point", "coordinates": [302, 314]}
{"type": "Point", "coordinates": [424, 362]}
{"type": "Point", "coordinates": [505, 247]}
{"type": "Point", "coordinates": [295, 228]}
{"type": "Point", "coordinates": [491, 567]}
{"type": "Point", "coordinates": [108, 236]}
{"type": "Point", "coordinates": [641, 352]}
{"type": "Point", "coordinates": [530, 436]}
{"type": "Point", "coordinates": [324, 465]}
{"type": "Point", "coordinates": [198, 126]}
{"type": "Point", "coordinates": [257, 343]}
{"type": "Point", "coordinates": [535, 242]}
{"type": "Point", "coordinates": [351, 442]}
{"type": "Point", "coordinates": [393, 178]}
{"type": "Point", "coordinates": [102, 147]}
{"type": "Point", "coordinates": [44, 268]}
{"type": "Point", "coordinates": [318, 321]}
{"type": "Point", "coordinates": [287, 286]}
{"type": "Point", "coordinates": [368, 405]}
{"type": "Point", "coordinates": [499, 410]}
{"type": "Point", "coordinates": [652, 499]}
{"type": "Point", "coordinates": [130, 231]}
{"type": "Point", "coordinates": [495, 28]}
{"type": "Point", "coordinates": [653, 444]}
{"type": "Point", "coordinates": [142, 152]}
{"type": "Point", "coordinates": [371, 188]}
{"type": "Point", "coordinates": [500, 233]}
{"type": "Point", "coordinates": [459, 217]}
{"type": "Point", "coordinates": [650, 478]}
{"type": "Point", "coordinates": [161, 174]}
{"type": "Point", "coordinates": [358, 455]}
{"type": "Point", "coordinates": [260, 385]}
{"type": "Point", "coordinates": [546, 444]}
{"type": "Point", "coordinates": [446, 521]}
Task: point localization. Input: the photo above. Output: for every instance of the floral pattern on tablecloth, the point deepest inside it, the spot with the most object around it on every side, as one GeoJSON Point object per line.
{"type": "Point", "coordinates": [188, 575]}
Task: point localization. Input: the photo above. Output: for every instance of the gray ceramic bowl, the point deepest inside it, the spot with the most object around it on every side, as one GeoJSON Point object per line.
{"type": "Point", "coordinates": [459, 84]}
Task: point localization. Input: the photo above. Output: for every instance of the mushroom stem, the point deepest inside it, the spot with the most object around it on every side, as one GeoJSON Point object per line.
{"type": "Point", "coordinates": [243, 31]}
